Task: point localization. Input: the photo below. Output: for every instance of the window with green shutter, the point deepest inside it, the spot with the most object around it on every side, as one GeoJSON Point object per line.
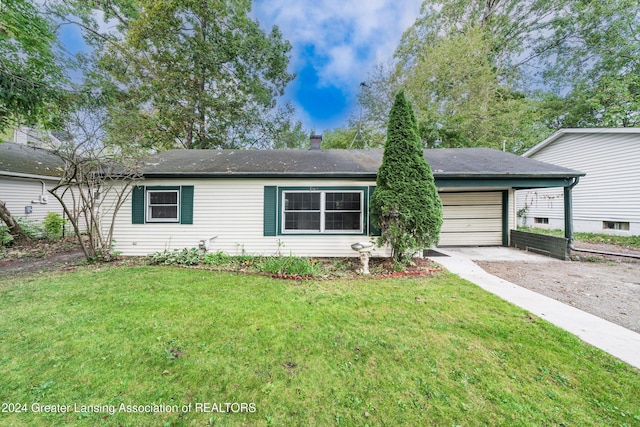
{"type": "Point", "coordinates": [137, 205]}
{"type": "Point", "coordinates": [270, 211]}
{"type": "Point", "coordinates": [186, 204]}
{"type": "Point", "coordinates": [315, 210]}
{"type": "Point", "coordinates": [162, 205]}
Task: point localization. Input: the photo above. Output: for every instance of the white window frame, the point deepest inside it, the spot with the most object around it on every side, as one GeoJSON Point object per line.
{"type": "Point", "coordinates": [616, 225]}
{"type": "Point", "coordinates": [323, 211]}
{"type": "Point", "coordinates": [148, 206]}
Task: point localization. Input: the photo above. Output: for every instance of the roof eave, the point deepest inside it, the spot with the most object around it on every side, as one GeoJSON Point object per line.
{"type": "Point", "coordinates": [356, 175]}
{"type": "Point", "coordinates": [259, 175]}
{"type": "Point", "coordinates": [516, 182]}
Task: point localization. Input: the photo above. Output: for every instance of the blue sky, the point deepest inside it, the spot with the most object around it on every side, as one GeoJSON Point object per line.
{"type": "Point", "coordinates": [336, 43]}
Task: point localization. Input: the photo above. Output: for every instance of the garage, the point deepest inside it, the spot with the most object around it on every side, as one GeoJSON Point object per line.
{"type": "Point", "coordinates": [472, 219]}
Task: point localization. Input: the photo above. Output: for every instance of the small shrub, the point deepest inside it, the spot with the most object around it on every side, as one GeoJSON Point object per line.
{"type": "Point", "coordinates": [191, 256]}
{"type": "Point", "coordinates": [291, 266]}
{"type": "Point", "coordinates": [218, 258]}
{"type": "Point", "coordinates": [53, 224]}
{"type": "Point", "coordinates": [398, 266]}
{"type": "Point", "coordinates": [30, 230]}
{"type": "Point", "coordinates": [6, 238]}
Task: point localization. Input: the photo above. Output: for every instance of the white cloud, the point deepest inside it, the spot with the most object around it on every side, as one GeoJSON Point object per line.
{"type": "Point", "coordinates": [348, 36]}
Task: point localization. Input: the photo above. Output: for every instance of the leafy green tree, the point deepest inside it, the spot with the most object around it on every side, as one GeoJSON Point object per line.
{"type": "Point", "coordinates": [511, 27]}
{"type": "Point", "coordinates": [405, 205]}
{"type": "Point", "coordinates": [510, 72]}
{"type": "Point", "coordinates": [192, 73]}
{"type": "Point", "coordinates": [30, 75]}
{"type": "Point", "coordinates": [355, 136]}
{"type": "Point", "coordinates": [460, 97]}
{"type": "Point", "coordinates": [338, 138]}
{"type": "Point", "coordinates": [588, 40]}
{"type": "Point", "coordinates": [284, 133]}
{"type": "Point", "coordinates": [613, 102]}
{"type": "Point", "coordinates": [592, 53]}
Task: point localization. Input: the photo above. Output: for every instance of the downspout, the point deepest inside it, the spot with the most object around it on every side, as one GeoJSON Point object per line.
{"type": "Point", "coordinates": [568, 225]}
{"type": "Point", "coordinates": [568, 211]}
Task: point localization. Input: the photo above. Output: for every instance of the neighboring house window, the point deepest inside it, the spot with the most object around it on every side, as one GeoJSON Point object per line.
{"type": "Point", "coordinates": [317, 210]}
{"type": "Point", "coordinates": [162, 205]}
{"type": "Point", "coordinates": [614, 225]}
{"type": "Point", "coordinates": [323, 211]}
{"type": "Point", "coordinates": [541, 220]}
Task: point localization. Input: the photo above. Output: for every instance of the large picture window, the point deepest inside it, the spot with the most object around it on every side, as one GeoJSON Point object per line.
{"type": "Point", "coordinates": [322, 211]}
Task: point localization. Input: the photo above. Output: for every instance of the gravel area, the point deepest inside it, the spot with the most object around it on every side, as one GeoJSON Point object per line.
{"type": "Point", "coordinates": [606, 286]}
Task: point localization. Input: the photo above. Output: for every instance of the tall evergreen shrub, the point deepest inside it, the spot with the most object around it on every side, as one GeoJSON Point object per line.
{"type": "Point", "coordinates": [405, 206]}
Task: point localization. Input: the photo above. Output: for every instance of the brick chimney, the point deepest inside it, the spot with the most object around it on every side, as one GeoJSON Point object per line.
{"type": "Point", "coordinates": [316, 142]}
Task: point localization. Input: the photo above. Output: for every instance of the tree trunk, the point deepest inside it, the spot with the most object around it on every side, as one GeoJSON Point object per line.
{"type": "Point", "coordinates": [7, 218]}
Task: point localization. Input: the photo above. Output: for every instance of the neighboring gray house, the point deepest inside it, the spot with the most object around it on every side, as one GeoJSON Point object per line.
{"type": "Point", "coordinates": [313, 202]}
{"type": "Point", "coordinates": [36, 138]}
{"type": "Point", "coordinates": [608, 197]}
{"type": "Point", "coordinates": [26, 173]}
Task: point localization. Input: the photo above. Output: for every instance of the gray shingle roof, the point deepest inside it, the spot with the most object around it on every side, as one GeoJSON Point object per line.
{"type": "Point", "coordinates": [23, 159]}
{"type": "Point", "coordinates": [445, 163]}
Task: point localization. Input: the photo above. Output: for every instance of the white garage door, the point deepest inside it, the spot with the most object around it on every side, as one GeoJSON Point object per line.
{"type": "Point", "coordinates": [471, 219]}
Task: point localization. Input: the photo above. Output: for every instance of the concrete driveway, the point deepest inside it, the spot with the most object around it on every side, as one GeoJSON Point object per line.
{"type": "Point", "coordinates": [497, 253]}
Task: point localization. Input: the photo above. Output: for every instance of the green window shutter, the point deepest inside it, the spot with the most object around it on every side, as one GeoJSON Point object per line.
{"type": "Point", "coordinates": [373, 230]}
{"type": "Point", "coordinates": [186, 204]}
{"type": "Point", "coordinates": [270, 210]}
{"type": "Point", "coordinates": [137, 205]}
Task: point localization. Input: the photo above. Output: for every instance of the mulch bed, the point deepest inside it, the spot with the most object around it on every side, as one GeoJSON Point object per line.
{"type": "Point", "coordinates": [380, 268]}
{"type": "Point", "coordinates": [65, 255]}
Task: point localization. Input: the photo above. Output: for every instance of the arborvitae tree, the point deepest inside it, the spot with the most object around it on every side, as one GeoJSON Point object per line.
{"type": "Point", "coordinates": [406, 205]}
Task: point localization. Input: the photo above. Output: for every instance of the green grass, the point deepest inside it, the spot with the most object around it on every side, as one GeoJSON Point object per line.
{"type": "Point", "coordinates": [629, 241]}
{"type": "Point", "coordinates": [416, 351]}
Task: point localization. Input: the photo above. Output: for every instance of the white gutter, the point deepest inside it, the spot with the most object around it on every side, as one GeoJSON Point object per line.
{"type": "Point", "coordinates": [28, 176]}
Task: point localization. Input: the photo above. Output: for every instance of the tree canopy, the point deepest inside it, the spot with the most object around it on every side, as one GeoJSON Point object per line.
{"type": "Point", "coordinates": [510, 72]}
{"type": "Point", "coordinates": [30, 75]}
{"type": "Point", "coordinates": [196, 74]}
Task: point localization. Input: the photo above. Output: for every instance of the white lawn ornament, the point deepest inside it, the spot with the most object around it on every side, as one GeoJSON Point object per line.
{"type": "Point", "coordinates": [364, 248]}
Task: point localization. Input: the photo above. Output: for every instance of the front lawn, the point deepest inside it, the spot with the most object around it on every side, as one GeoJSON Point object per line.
{"type": "Point", "coordinates": [180, 346]}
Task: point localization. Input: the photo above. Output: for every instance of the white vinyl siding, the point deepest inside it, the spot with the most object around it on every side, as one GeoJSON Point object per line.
{"type": "Point", "coordinates": [541, 203]}
{"type": "Point", "coordinates": [471, 219]}
{"type": "Point", "coordinates": [232, 210]}
{"type": "Point", "coordinates": [20, 192]}
{"type": "Point", "coordinates": [608, 192]}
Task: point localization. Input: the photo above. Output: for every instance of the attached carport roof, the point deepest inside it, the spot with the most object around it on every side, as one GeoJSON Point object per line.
{"type": "Point", "coordinates": [453, 167]}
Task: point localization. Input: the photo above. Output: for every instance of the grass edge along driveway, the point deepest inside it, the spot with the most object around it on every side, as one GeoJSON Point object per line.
{"type": "Point", "coordinates": [173, 346]}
